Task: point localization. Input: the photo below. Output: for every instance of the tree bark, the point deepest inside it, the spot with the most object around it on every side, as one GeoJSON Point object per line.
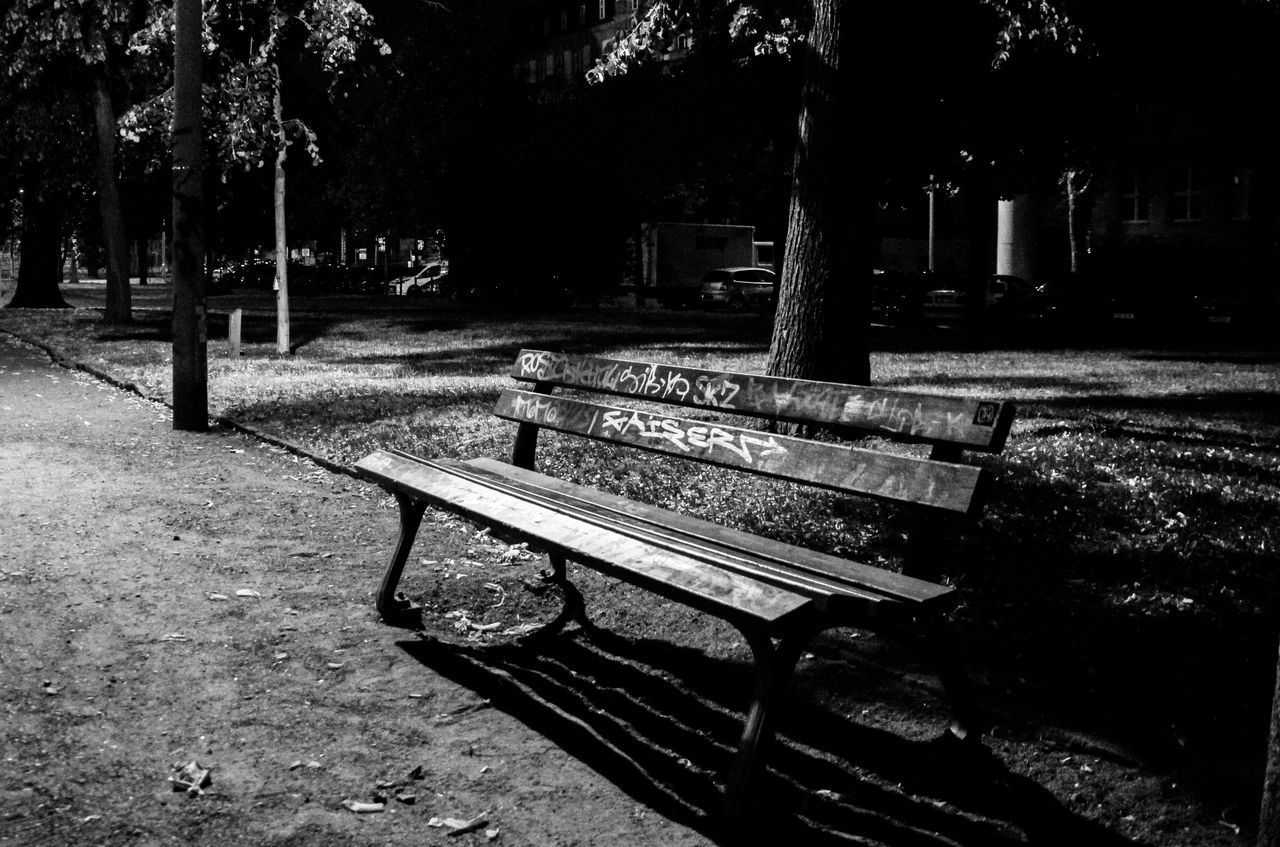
{"type": "Point", "coordinates": [71, 258]}
{"type": "Point", "coordinates": [1269, 817]}
{"type": "Point", "coordinates": [1078, 216]}
{"type": "Point", "coordinates": [282, 249]}
{"type": "Point", "coordinates": [118, 306]}
{"type": "Point", "coordinates": [40, 274]}
{"type": "Point", "coordinates": [821, 329]}
{"type": "Point", "coordinates": [190, 333]}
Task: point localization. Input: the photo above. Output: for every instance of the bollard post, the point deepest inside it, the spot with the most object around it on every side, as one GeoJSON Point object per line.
{"type": "Point", "coordinates": [233, 334]}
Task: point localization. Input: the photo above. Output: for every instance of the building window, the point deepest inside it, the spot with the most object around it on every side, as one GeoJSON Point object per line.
{"type": "Point", "coordinates": [582, 13]}
{"type": "Point", "coordinates": [566, 63]}
{"type": "Point", "coordinates": [533, 70]}
{"type": "Point", "coordinates": [601, 9]}
{"type": "Point", "coordinates": [1134, 203]}
{"type": "Point", "coordinates": [546, 26]}
{"type": "Point", "coordinates": [551, 64]}
{"type": "Point", "coordinates": [564, 20]}
{"type": "Point", "coordinates": [586, 55]}
{"type": "Point", "coordinates": [578, 62]}
{"type": "Point", "coordinates": [1240, 195]}
{"type": "Point", "coordinates": [1188, 198]}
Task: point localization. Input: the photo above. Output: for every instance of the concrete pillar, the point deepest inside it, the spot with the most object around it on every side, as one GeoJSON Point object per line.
{"type": "Point", "coordinates": [1016, 236]}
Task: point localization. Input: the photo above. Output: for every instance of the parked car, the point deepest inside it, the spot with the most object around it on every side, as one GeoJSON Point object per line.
{"type": "Point", "coordinates": [521, 288]}
{"type": "Point", "coordinates": [256, 273]}
{"type": "Point", "coordinates": [950, 304]}
{"type": "Point", "coordinates": [895, 299]}
{"type": "Point", "coordinates": [1147, 311]}
{"type": "Point", "coordinates": [1056, 304]}
{"type": "Point", "coordinates": [739, 288]}
{"type": "Point", "coordinates": [944, 305]}
{"type": "Point", "coordinates": [1224, 312]}
{"type": "Point", "coordinates": [427, 280]}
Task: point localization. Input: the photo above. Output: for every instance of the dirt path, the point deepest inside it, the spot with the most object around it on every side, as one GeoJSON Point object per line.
{"type": "Point", "coordinates": [127, 648]}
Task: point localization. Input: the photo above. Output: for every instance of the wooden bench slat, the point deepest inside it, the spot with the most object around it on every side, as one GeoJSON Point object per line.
{"type": "Point", "coordinates": [906, 479]}
{"type": "Point", "coordinates": [531, 485]}
{"type": "Point", "coordinates": [524, 485]}
{"type": "Point", "coordinates": [853, 576]}
{"type": "Point", "coordinates": [912, 416]}
{"type": "Point", "coordinates": [731, 596]}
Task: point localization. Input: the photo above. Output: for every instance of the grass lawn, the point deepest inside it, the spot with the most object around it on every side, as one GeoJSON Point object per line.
{"type": "Point", "coordinates": [1123, 583]}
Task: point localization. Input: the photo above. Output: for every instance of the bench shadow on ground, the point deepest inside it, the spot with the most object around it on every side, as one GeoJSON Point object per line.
{"type": "Point", "coordinates": [661, 722]}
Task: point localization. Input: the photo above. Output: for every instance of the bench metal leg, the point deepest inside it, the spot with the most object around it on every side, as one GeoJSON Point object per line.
{"type": "Point", "coordinates": [774, 666]}
{"type": "Point", "coordinates": [399, 609]}
{"type": "Point", "coordinates": [575, 607]}
{"type": "Point", "coordinates": [939, 647]}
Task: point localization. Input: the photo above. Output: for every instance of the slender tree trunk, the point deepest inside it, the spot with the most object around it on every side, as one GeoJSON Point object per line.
{"type": "Point", "coordinates": [190, 334]}
{"type": "Point", "coordinates": [282, 248]}
{"type": "Point", "coordinates": [1077, 218]}
{"type": "Point", "coordinates": [1073, 237]}
{"type": "Point", "coordinates": [118, 307]}
{"type": "Point", "coordinates": [72, 260]}
{"type": "Point", "coordinates": [40, 274]}
{"type": "Point", "coordinates": [822, 327]}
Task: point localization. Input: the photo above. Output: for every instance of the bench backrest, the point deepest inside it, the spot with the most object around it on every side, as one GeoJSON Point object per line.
{"type": "Point", "coordinates": [949, 424]}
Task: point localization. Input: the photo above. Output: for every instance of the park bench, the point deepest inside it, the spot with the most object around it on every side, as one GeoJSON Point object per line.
{"type": "Point", "coordinates": [780, 596]}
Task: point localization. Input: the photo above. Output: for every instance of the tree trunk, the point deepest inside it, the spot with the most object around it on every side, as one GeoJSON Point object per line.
{"type": "Point", "coordinates": [1073, 235]}
{"type": "Point", "coordinates": [821, 330]}
{"type": "Point", "coordinates": [1078, 215]}
{"type": "Point", "coordinates": [1269, 817]}
{"type": "Point", "coordinates": [40, 274]}
{"type": "Point", "coordinates": [190, 334]}
{"type": "Point", "coordinates": [72, 261]}
{"type": "Point", "coordinates": [282, 248]}
{"type": "Point", "coordinates": [118, 308]}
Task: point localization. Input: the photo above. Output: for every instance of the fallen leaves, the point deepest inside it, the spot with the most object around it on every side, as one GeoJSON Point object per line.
{"type": "Point", "coordinates": [363, 808]}
{"type": "Point", "coordinates": [460, 826]}
{"type": "Point", "coordinates": [192, 778]}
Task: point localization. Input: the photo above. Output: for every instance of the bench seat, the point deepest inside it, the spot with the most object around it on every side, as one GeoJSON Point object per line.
{"type": "Point", "coordinates": [751, 581]}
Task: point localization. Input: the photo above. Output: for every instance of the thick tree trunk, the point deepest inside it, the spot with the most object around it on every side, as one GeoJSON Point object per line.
{"type": "Point", "coordinates": [821, 330]}
{"type": "Point", "coordinates": [282, 243]}
{"type": "Point", "coordinates": [190, 333]}
{"type": "Point", "coordinates": [118, 307]}
{"type": "Point", "coordinates": [40, 274]}
{"type": "Point", "coordinates": [1269, 818]}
